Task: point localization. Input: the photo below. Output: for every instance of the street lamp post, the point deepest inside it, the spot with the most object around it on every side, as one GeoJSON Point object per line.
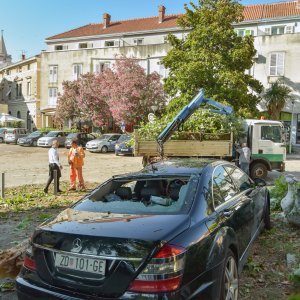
{"type": "Point", "coordinates": [292, 120]}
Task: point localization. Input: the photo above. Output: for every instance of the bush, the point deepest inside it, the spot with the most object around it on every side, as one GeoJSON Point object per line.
{"type": "Point", "coordinates": [278, 192]}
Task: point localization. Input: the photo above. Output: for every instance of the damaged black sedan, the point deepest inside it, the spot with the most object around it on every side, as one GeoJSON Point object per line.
{"type": "Point", "coordinates": [178, 229]}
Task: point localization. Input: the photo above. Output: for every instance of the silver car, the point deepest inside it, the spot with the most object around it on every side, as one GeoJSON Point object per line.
{"type": "Point", "coordinates": [104, 143]}
{"type": "Point", "coordinates": [47, 140]}
{"type": "Point", "coordinates": [13, 134]}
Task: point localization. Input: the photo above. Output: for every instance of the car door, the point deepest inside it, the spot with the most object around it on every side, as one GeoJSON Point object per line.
{"type": "Point", "coordinates": [83, 139]}
{"type": "Point", "coordinates": [235, 208]}
{"type": "Point", "coordinates": [246, 185]}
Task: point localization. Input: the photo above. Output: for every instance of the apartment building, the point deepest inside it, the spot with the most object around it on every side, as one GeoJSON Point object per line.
{"type": "Point", "coordinates": [92, 48]}
{"type": "Point", "coordinates": [20, 90]}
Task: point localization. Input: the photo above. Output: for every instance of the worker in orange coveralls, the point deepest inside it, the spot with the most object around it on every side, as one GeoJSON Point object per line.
{"type": "Point", "coordinates": [75, 159]}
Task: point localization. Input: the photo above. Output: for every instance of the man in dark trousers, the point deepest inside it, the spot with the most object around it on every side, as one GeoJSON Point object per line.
{"type": "Point", "coordinates": [54, 164]}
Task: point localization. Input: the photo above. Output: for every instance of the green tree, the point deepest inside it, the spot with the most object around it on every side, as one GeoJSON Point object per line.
{"type": "Point", "coordinates": [276, 97]}
{"type": "Point", "coordinates": [213, 57]}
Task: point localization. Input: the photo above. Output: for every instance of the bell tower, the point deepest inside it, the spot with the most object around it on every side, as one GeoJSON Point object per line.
{"type": "Point", "coordinates": [5, 59]}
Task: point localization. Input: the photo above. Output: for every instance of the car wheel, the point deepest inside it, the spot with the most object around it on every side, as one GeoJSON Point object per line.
{"type": "Point", "coordinates": [104, 149]}
{"type": "Point", "coordinates": [1, 140]}
{"type": "Point", "coordinates": [230, 279]}
{"type": "Point", "coordinates": [34, 143]}
{"type": "Point", "coordinates": [267, 218]}
{"type": "Point", "coordinates": [259, 170]}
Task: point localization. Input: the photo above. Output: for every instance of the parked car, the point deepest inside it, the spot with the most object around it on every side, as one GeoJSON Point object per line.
{"type": "Point", "coordinates": [2, 134]}
{"type": "Point", "coordinates": [47, 140]}
{"type": "Point", "coordinates": [13, 134]}
{"type": "Point", "coordinates": [178, 229]}
{"type": "Point", "coordinates": [81, 137]}
{"type": "Point", "coordinates": [104, 143]}
{"type": "Point", "coordinates": [31, 139]}
{"type": "Point", "coordinates": [123, 146]}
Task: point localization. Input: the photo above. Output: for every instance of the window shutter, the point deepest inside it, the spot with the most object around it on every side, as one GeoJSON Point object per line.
{"type": "Point", "coordinates": [273, 60]}
{"type": "Point", "coordinates": [280, 64]}
{"type": "Point", "coordinates": [65, 47]}
{"type": "Point", "coordinates": [55, 74]}
{"type": "Point", "coordinates": [97, 68]}
{"type": "Point", "coordinates": [117, 44]}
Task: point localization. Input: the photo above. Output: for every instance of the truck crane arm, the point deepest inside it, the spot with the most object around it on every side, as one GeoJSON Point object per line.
{"type": "Point", "coordinates": [186, 112]}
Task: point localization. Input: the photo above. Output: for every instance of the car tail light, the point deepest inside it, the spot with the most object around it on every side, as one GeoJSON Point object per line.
{"type": "Point", "coordinates": [163, 273]}
{"type": "Point", "coordinates": [29, 262]}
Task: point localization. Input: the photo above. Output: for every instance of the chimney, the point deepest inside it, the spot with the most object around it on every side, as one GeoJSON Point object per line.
{"type": "Point", "coordinates": [23, 56]}
{"type": "Point", "coordinates": [106, 20]}
{"type": "Point", "coordinates": [161, 13]}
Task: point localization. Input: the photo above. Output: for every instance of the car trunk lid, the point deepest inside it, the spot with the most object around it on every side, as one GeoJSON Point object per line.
{"type": "Point", "coordinates": [107, 250]}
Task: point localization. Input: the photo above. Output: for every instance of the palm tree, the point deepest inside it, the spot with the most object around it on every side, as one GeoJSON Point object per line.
{"type": "Point", "coordinates": [276, 97]}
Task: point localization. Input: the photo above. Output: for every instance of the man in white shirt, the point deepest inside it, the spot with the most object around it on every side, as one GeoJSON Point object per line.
{"type": "Point", "coordinates": [245, 157]}
{"type": "Point", "coordinates": [54, 164]}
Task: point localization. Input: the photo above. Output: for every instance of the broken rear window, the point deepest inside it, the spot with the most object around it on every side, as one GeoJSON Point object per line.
{"type": "Point", "coordinates": [170, 195]}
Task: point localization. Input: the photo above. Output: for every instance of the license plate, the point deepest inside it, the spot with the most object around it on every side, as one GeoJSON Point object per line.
{"type": "Point", "coordinates": [124, 150]}
{"type": "Point", "coordinates": [84, 264]}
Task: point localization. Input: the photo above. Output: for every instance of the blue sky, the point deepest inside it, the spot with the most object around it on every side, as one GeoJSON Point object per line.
{"type": "Point", "coordinates": [26, 23]}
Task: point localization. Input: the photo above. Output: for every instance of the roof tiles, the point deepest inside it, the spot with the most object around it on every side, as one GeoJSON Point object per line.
{"type": "Point", "coordinates": [251, 12]}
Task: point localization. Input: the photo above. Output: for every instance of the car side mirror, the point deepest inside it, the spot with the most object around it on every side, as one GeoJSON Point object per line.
{"type": "Point", "coordinates": [259, 182]}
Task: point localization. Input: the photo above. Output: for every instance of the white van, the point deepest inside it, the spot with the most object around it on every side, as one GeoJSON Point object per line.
{"type": "Point", "coordinates": [12, 134]}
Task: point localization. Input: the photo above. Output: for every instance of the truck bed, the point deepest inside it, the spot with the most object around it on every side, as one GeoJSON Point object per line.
{"type": "Point", "coordinates": [206, 148]}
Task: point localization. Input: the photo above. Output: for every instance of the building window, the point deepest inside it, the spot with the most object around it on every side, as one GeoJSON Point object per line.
{"type": "Point", "coordinates": [18, 114]}
{"type": "Point", "coordinates": [277, 64]}
{"type": "Point", "coordinates": [85, 45]}
{"type": "Point", "coordinates": [101, 67]}
{"type": "Point", "coordinates": [275, 30]}
{"type": "Point", "coordinates": [52, 97]}
{"type": "Point", "coordinates": [244, 32]}
{"type": "Point", "coordinates": [18, 89]}
{"type": "Point", "coordinates": [53, 73]}
{"type": "Point", "coordinates": [77, 71]}
{"type": "Point", "coordinates": [59, 47]}
{"type": "Point", "coordinates": [289, 29]}
{"type": "Point", "coordinates": [28, 67]}
{"type": "Point", "coordinates": [111, 43]}
{"type": "Point", "coordinates": [28, 88]}
{"type": "Point", "coordinates": [138, 41]}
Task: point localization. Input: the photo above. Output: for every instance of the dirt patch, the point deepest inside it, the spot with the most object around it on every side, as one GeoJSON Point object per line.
{"type": "Point", "coordinates": [266, 274]}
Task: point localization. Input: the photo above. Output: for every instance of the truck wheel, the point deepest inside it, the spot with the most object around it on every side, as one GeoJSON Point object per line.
{"type": "Point", "coordinates": [259, 170]}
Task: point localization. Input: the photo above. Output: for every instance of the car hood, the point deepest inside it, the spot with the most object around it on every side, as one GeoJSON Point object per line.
{"type": "Point", "coordinates": [47, 138]}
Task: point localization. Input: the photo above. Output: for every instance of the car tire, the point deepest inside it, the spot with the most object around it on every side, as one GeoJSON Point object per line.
{"type": "Point", "coordinates": [259, 170]}
{"type": "Point", "coordinates": [230, 278]}
{"type": "Point", "coordinates": [267, 218]}
{"type": "Point", "coordinates": [1, 140]}
{"type": "Point", "coordinates": [104, 149]}
{"type": "Point", "coordinates": [34, 143]}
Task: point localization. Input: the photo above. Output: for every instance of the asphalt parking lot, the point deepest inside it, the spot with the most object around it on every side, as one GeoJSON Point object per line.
{"type": "Point", "coordinates": [29, 165]}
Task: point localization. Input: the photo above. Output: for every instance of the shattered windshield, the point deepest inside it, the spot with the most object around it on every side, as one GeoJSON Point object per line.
{"type": "Point", "coordinates": [169, 195]}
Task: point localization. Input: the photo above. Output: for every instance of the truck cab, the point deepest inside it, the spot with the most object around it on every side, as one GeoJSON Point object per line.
{"type": "Point", "coordinates": [265, 138]}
